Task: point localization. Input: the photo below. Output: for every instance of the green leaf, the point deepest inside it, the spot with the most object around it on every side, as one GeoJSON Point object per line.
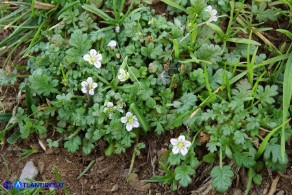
{"type": "Point", "coordinates": [43, 84]}
{"type": "Point", "coordinates": [209, 158]}
{"type": "Point", "coordinates": [243, 159]}
{"type": "Point", "coordinates": [188, 101]}
{"type": "Point", "coordinates": [265, 95]}
{"type": "Point", "coordinates": [257, 179]}
{"type": "Point", "coordinates": [81, 44]}
{"type": "Point", "coordinates": [239, 137]}
{"type": "Point", "coordinates": [87, 148]}
{"type": "Point", "coordinates": [273, 152]}
{"type": "Point", "coordinates": [222, 178]}
{"type": "Point", "coordinates": [110, 149]}
{"type": "Point", "coordinates": [7, 78]}
{"type": "Point", "coordinates": [174, 159]}
{"type": "Point", "coordinates": [73, 144]}
{"type": "Point", "coordinates": [212, 146]}
{"type": "Point", "coordinates": [183, 173]}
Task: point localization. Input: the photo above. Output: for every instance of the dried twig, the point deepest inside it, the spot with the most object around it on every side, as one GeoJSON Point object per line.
{"type": "Point", "coordinates": [274, 185]}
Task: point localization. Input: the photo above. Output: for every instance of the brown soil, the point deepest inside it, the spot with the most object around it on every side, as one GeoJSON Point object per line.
{"type": "Point", "coordinates": [108, 174]}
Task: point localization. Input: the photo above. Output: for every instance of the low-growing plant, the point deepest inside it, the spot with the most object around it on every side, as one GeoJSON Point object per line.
{"type": "Point", "coordinates": [135, 72]}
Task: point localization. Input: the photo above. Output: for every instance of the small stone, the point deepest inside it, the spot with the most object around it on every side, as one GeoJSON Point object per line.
{"type": "Point", "coordinates": [28, 172]}
{"type": "Point", "coordinates": [237, 191]}
{"type": "Point", "coordinates": [115, 188]}
{"type": "Point", "coordinates": [49, 151]}
{"type": "Point", "coordinates": [91, 187]}
{"type": "Point", "coordinates": [84, 181]}
{"type": "Point", "coordinates": [280, 193]}
{"type": "Point", "coordinates": [41, 167]}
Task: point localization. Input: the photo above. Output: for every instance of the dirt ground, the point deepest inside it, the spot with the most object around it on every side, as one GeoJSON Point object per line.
{"type": "Point", "coordinates": [108, 174]}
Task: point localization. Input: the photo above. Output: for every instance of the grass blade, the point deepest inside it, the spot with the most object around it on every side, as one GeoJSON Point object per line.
{"type": "Point", "coordinates": [98, 12]}
{"type": "Point", "coordinates": [5, 117]}
{"type": "Point", "coordinates": [285, 32]}
{"type": "Point", "coordinates": [287, 93]}
{"type": "Point", "coordinates": [174, 4]}
{"type": "Point", "coordinates": [59, 178]}
{"type": "Point", "coordinates": [14, 137]}
{"type": "Point", "coordinates": [243, 41]}
{"type": "Point", "coordinates": [28, 98]}
{"type": "Point", "coordinates": [140, 117]}
{"type": "Point", "coordinates": [267, 138]}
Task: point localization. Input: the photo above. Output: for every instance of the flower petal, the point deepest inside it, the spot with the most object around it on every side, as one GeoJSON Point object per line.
{"type": "Point", "coordinates": [91, 92]}
{"type": "Point", "coordinates": [129, 127]}
{"type": "Point", "coordinates": [110, 116]}
{"type": "Point", "coordinates": [94, 85]}
{"type": "Point", "coordinates": [99, 57]}
{"type": "Point", "coordinates": [84, 84]}
{"type": "Point", "coordinates": [93, 52]}
{"type": "Point", "coordinates": [181, 138]}
{"type": "Point", "coordinates": [187, 143]}
{"type": "Point", "coordinates": [136, 124]}
{"type": "Point", "coordinates": [208, 8]}
{"type": "Point", "coordinates": [89, 80]}
{"type": "Point", "coordinates": [124, 119]}
{"type": "Point", "coordinates": [184, 151]}
{"type": "Point", "coordinates": [214, 12]}
{"type": "Point", "coordinates": [175, 150]}
{"type": "Point", "coordinates": [84, 90]}
{"type": "Point", "coordinates": [97, 64]}
{"type": "Point", "coordinates": [173, 141]}
{"type": "Point", "coordinates": [110, 104]}
{"type": "Point", "coordinates": [86, 57]}
{"type": "Point", "coordinates": [129, 114]}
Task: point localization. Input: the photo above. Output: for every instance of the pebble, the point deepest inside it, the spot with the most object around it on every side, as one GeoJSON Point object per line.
{"type": "Point", "coordinates": [115, 188]}
{"type": "Point", "coordinates": [280, 193]}
{"type": "Point", "coordinates": [29, 171]}
{"type": "Point", "coordinates": [41, 167]}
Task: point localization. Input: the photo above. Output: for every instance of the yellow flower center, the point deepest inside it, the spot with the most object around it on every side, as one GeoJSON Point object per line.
{"type": "Point", "coordinates": [90, 86]}
{"type": "Point", "coordinates": [180, 144]}
{"type": "Point", "coordinates": [92, 59]}
{"type": "Point", "coordinates": [130, 120]}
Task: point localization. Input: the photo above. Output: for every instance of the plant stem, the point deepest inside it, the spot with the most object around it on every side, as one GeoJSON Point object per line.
{"type": "Point", "coordinates": [86, 169]}
{"type": "Point", "coordinates": [75, 133]}
{"type": "Point", "coordinates": [133, 156]}
{"type": "Point", "coordinates": [220, 157]}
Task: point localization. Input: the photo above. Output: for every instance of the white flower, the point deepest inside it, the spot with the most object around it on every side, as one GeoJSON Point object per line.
{"type": "Point", "coordinates": [123, 75]}
{"type": "Point", "coordinates": [180, 145]}
{"type": "Point", "coordinates": [130, 120]}
{"type": "Point", "coordinates": [117, 29]}
{"type": "Point", "coordinates": [120, 106]}
{"type": "Point", "coordinates": [112, 44]}
{"type": "Point", "coordinates": [213, 14]}
{"type": "Point", "coordinates": [88, 86]}
{"type": "Point", "coordinates": [93, 58]}
{"type": "Point", "coordinates": [110, 108]}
